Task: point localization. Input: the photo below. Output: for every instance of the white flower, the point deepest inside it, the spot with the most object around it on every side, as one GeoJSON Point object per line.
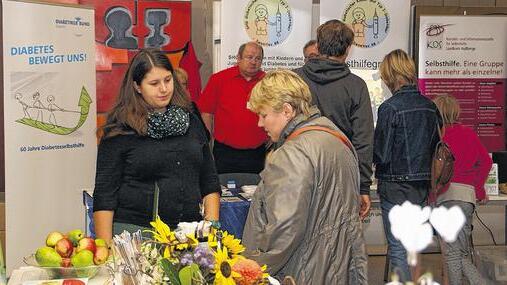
{"type": "Point", "coordinates": [409, 225]}
{"type": "Point", "coordinates": [448, 222]}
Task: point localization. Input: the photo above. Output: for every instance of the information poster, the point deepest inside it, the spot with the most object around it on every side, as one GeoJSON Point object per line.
{"type": "Point", "coordinates": [465, 56]}
{"type": "Point", "coordinates": [49, 121]}
{"type": "Point", "coordinates": [379, 26]}
{"type": "Point", "coordinates": [282, 27]}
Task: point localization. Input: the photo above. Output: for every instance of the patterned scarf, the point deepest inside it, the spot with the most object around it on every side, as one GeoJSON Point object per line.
{"type": "Point", "coordinates": [173, 122]}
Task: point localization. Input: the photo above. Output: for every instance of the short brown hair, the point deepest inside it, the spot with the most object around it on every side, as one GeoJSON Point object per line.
{"type": "Point", "coordinates": [448, 107]}
{"type": "Point", "coordinates": [398, 69]}
{"type": "Point", "coordinates": [334, 38]}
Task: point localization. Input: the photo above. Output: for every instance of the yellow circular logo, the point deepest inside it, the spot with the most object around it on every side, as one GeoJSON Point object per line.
{"type": "Point", "coordinates": [369, 20]}
{"type": "Point", "coordinates": [268, 22]}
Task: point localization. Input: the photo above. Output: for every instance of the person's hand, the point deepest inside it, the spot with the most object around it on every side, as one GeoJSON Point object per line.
{"type": "Point", "coordinates": [365, 206]}
{"type": "Point", "coordinates": [484, 201]}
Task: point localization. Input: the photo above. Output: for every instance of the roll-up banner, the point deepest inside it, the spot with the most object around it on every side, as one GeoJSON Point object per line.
{"type": "Point", "coordinates": [379, 26]}
{"type": "Point", "coordinates": [282, 27]}
{"type": "Point", "coordinates": [465, 56]}
{"type": "Point", "coordinates": [49, 121]}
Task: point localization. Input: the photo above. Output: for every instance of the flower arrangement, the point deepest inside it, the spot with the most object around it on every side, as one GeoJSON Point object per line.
{"type": "Point", "coordinates": [179, 258]}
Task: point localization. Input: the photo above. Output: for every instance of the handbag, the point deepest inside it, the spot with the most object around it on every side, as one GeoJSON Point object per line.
{"type": "Point", "coordinates": [442, 165]}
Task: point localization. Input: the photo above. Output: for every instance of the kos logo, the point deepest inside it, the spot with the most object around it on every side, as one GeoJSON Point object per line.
{"type": "Point", "coordinates": [434, 44]}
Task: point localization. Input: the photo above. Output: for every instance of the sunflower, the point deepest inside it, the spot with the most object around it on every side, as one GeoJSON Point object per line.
{"type": "Point", "coordinates": [163, 234]}
{"type": "Point", "coordinates": [232, 244]}
{"type": "Point", "coordinates": [223, 268]}
{"type": "Point", "coordinates": [212, 240]}
{"type": "Point", "coordinates": [191, 242]}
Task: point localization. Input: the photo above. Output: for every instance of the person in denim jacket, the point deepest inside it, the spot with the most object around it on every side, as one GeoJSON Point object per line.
{"type": "Point", "coordinates": [404, 141]}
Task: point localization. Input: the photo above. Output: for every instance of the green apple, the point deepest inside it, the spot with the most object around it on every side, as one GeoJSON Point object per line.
{"type": "Point", "coordinates": [48, 257]}
{"type": "Point", "coordinates": [75, 236]}
{"type": "Point", "coordinates": [82, 258]}
{"type": "Point", "coordinates": [100, 242]}
{"type": "Point", "coordinates": [53, 238]}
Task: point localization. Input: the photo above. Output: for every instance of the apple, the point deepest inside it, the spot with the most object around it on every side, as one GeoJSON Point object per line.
{"type": "Point", "coordinates": [82, 258]}
{"type": "Point", "coordinates": [64, 247]}
{"type": "Point", "coordinates": [101, 255]}
{"type": "Point", "coordinates": [73, 282]}
{"type": "Point", "coordinates": [65, 262]}
{"type": "Point", "coordinates": [100, 242]}
{"type": "Point", "coordinates": [86, 243]}
{"type": "Point", "coordinates": [48, 257]}
{"type": "Point", "coordinates": [53, 238]}
{"type": "Point", "coordinates": [75, 236]}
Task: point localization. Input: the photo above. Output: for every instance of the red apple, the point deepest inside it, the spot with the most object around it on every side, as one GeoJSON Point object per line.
{"type": "Point", "coordinates": [86, 243]}
{"type": "Point", "coordinates": [64, 247]}
{"type": "Point", "coordinates": [53, 238]}
{"type": "Point", "coordinates": [65, 262]}
{"type": "Point", "coordinates": [101, 255]}
{"type": "Point", "coordinates": [72, 282]}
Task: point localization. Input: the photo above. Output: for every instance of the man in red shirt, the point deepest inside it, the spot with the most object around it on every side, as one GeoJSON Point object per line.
{"type": "Point", "coordinates": [239, 142]}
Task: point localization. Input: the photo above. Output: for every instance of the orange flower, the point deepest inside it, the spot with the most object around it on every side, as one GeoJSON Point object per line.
{"type": "Point", "coordinates": [250, 271]}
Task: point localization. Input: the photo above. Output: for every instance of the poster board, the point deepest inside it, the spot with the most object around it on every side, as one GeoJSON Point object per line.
{"type": "Point", "coordinates": [49, 121]}
{"type": "Point", "coordinates": [379, 26]}
{"type": "Point", "coordinates": [282, 27]}
{"type": "Point", "coordinates": [464, 56]}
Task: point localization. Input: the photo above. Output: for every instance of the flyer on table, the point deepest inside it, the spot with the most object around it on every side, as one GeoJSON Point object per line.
{"type": "Point", "coordinates": [49, 120]}
{"type": "Point", "coordinates": [379, 26]}
{"type": "Point", "coordinates": [282, 27]}
{"type": "Point", "coordinates": [461, 56]}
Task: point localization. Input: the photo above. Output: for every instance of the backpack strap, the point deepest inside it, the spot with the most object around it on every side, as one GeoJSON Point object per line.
{"type": "Point", "coordinates": [337, 134]}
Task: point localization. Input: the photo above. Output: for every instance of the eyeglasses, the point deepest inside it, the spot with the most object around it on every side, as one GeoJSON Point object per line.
{"type": "Point", "coordinates": [253, 58]}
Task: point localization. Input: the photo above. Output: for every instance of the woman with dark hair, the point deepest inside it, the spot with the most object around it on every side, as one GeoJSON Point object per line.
{"type": "Point", "coordinates": [154, 157]}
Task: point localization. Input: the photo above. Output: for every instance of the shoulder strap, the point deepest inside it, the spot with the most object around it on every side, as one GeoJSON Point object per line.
{"type": "Point", "coordinates": [337, 134]}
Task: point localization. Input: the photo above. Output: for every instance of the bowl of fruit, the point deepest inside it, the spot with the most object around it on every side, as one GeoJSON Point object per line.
{"type": "Point", "coordinates": [70, 255]}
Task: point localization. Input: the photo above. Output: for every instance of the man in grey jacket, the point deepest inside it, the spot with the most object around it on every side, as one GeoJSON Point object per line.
{"type": "Point", "coordinates": [342, 97]}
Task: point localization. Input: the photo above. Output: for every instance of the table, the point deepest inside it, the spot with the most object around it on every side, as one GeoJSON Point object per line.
{"type": "Point", "coordinates": [500, 200]}
{"type": "Point", "coordinates": [233, 214]}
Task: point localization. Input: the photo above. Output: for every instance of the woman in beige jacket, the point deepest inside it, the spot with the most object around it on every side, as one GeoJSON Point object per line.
{"type": "Point", "coordinates": [303, 221]}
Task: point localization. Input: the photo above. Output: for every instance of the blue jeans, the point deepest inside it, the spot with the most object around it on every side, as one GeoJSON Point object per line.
{"type": "Point", "coordinates": [395, 251]}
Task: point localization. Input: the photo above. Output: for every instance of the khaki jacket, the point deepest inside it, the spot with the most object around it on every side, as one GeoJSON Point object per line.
{"type": "Point", "coordinates": [304, 217]}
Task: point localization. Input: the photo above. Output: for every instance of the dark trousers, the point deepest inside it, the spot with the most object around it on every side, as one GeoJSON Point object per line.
{"type": "Point", "coordinates": [233, 160]}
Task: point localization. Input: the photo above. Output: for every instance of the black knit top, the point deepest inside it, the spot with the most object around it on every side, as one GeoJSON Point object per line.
{"type": "Point", "coordinates": [129, 165]}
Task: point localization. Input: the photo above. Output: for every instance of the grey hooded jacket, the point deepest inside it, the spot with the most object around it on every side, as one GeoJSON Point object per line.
{"type": "Point", "coordinates": [344, 99]}
{"type": "Point", "coordinates": [303, 220]}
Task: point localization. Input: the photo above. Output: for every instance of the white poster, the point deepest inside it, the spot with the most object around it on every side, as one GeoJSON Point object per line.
{"type": "Point", "coordinates": [465, 56]}
{"type": "Point", "coordinates": [379, 26]}
{"type": "Point", "coordinates": [49, 121]}
{"type": "Point", "coordinates": [282, 27]}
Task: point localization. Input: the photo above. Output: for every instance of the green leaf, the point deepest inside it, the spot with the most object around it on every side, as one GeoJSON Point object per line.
{"type": "Point", "coordinates": [171, 271]}
{"type": "Point", "coordinates": [188, 272]}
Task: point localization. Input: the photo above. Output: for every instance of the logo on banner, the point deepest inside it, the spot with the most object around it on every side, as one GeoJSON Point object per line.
{"type": "Point", "coordinates": [47, 115]}
{"type": "Point", "coordinates": [268, 22]}
{"type": "Point", "coordinates": [435, 36]}
{"type": "Point", "coordinates": [369, 20]}
{"type": "Point", "coordinates": [77, 21]}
